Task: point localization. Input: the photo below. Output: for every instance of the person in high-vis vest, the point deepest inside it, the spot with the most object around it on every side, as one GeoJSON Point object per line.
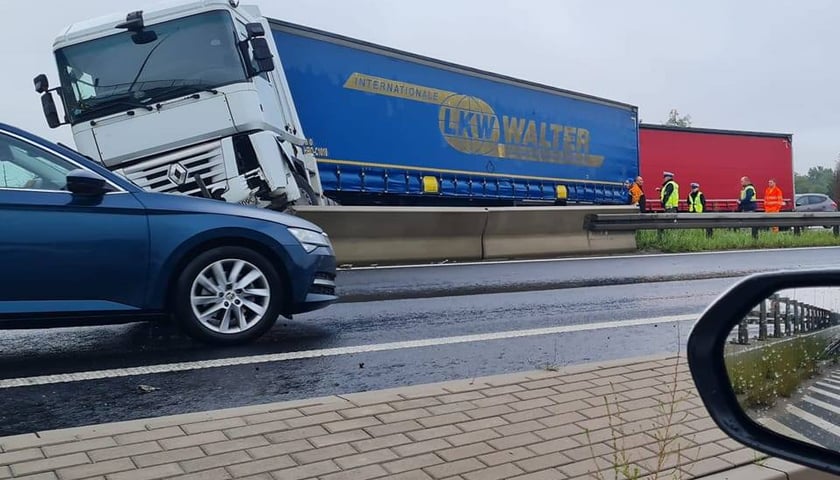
{"type": "Point", "coordinates": [773, 199]}
{"type": "Point", "coordinates": [669, 194]}
{"type": "Point", "coordinates": [696, 199]}
{"type": "Point", "coordinates": [747, 202]}
{"type": "Point", "coordinates": [637, 194]}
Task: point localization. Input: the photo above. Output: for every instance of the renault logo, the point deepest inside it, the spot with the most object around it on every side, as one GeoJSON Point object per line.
{"type": "Point", "coordinates": [177, 173]}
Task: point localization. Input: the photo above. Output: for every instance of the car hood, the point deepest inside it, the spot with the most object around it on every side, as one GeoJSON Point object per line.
{"type": "Point", "coordinates": [187, 204]}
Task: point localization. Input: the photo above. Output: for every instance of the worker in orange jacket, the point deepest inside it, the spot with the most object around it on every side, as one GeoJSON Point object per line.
{"type": "Point", "coordinates": [773, 199]}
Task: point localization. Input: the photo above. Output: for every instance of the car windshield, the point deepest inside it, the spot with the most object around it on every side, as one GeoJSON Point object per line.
{"type": "Point", "coordinates": [127, 70]}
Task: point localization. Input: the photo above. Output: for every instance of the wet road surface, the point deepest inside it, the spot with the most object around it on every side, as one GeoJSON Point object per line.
{"type": "Point", "coordinates": [468, 279]}
{"type": "Point", "coordinates": [27, 354]}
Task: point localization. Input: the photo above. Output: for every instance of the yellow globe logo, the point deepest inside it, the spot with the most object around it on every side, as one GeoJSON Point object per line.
{"type": "Point", "coordinates": [469, 124]}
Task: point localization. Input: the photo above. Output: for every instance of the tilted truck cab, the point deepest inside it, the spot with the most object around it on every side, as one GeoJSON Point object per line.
{"type": "Point", "coordinates": [189, 97]}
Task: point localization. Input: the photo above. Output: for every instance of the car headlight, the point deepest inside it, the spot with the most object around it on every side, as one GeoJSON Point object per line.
{"type": "Point", "coordinates": [310, 239]}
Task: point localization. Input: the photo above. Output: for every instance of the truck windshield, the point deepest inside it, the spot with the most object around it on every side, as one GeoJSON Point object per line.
{"type": "Point", "coordinates": [179, 57]}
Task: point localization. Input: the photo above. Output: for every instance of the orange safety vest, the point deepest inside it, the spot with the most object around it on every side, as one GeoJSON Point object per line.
{"type": "Point", "coordinates": [773, 199]}
{"type": "Point", "coordinates": [635, 193]}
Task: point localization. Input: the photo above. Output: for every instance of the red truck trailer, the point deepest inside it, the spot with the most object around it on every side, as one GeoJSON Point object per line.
{"type": "Point", "coordinates": [716, 159]}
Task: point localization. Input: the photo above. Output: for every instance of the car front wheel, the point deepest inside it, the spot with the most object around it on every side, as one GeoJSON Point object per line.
{"type": "Point", "coordinates": [228, 295]}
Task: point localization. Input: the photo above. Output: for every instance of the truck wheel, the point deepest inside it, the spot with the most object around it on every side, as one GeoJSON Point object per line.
{"type": "Point", "coordinates": [307, 194]}
{"type": "Point", "coordinates": [228, 296]}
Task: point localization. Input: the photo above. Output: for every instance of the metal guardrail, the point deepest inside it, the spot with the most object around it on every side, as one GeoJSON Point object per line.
{"type": "Point", "coordinates": [788, 318]}
{"type": "Point", "coordinates": [599, 222]}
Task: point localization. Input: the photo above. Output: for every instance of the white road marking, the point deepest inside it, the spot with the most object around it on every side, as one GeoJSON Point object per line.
{"type": "Point", "coordinates": [826, 393]}
{"type": "Point", "coordinates": [824, 405]}
{"type": "Point", "coordinates": [777, 427]}
{"type": "Point", "coordinates": [328, 352]}
{"type": "Point", "coordinates": [576, 259]}
{"type": "Point", "coordinates": [814, 420]}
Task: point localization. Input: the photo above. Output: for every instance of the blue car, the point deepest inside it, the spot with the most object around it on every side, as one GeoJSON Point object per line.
{"type": "Point", "coordinates": [80, 245]}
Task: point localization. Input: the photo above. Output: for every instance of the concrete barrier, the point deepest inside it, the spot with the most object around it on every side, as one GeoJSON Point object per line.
{"type": "Point", "coordinates": [517, 232]}
{"type": "Point", "coordinates": [393, 235]}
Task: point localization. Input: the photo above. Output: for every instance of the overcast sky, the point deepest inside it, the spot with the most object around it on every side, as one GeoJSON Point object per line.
{"type": "Point", "coordinates": [746, 64]}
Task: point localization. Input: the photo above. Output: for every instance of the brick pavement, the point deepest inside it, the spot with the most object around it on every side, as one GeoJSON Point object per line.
{"type": "Point", "coordinates": [642, 416]}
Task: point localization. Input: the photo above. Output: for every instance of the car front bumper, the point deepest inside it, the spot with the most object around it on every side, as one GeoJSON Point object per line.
{"type": "Point", "coordinates": [320, 290]}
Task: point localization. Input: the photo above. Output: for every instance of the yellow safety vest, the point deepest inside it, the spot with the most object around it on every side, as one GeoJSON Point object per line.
{"type": "Point", "coordinates": [744, 192]}
{"type": "Point", "coordinates": [674, 199]}
{"type": "Point", "coordinates": [694, 204]}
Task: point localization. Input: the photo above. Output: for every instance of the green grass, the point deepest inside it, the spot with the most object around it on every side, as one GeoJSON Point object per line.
{"type": "Point", "coordinates": [762, 375]}
{"type": "Point", "coordinates": [674, 241]}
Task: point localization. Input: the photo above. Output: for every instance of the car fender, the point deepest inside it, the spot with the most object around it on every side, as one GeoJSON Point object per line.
{"type": "Point", "coordinates": [170, 251]}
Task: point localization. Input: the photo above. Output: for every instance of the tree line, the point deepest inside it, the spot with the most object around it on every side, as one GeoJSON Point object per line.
{"type": "Point", "coordinates": [819, 180]}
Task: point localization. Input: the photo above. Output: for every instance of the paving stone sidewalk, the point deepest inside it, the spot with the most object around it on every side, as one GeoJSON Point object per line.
{"type": "Point", "coordinates": [641, 416]}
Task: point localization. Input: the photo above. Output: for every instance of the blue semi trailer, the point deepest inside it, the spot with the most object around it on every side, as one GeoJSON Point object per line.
{"type": "Point", "coordinates": [393, 128]}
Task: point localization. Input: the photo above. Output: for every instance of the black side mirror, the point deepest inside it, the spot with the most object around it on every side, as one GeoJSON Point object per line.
{"type": "Point", "coordinates": [42, 83]}
{"type": "Point", "coordinates": [765, 358]}
{"type": "Point", "coordinates": [50, 110]}
{"type": "Point", "coordinates": [255, 30]}
{"type": "Point", "coordinates": [143, 37]}
{"type": "Point", "coordinates": [86, 183]}
{"type": "Point", "coordinates": [262, 55]}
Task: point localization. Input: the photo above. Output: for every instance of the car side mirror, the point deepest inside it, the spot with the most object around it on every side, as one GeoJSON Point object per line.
{"type": "Point", "coordinates": [765, 358]}
{"type": "Point", "coordinates": [86, 183]}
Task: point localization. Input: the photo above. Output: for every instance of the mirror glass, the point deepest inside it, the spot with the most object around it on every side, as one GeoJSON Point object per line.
{"type": "Point", "coordinates": [782, 364]}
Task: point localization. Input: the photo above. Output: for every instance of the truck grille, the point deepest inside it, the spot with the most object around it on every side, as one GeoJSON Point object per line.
{"type": "Point", "coordinates": [174, 172]}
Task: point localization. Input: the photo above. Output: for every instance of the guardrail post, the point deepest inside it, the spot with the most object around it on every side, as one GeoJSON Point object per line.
{"type": "Point", "coordinates": [788, 318]}
{"type": "Point", "coordinates": [777, 321]}
{"type": "Point", "coordinates": [710, 232]}
{"type": "Point", "coordinates": [755, 233]}
{"type": "Point", "coordinates": [836, 230]}
{"type": "Point", "coordinates": [806, 319]}
{"type": "Point", "coordinates": [762, 320]}
{"type": "Point", "coordinates": [797, 231]}
{"type": "Point", "coordinates": [743, 332]}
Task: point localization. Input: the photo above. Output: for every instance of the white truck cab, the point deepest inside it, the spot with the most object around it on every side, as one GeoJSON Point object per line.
{"type": "Point", "coordinates": [188, 97]}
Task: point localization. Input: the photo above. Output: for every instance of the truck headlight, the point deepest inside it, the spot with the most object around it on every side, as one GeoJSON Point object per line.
{"type": "Point", "coordinates": [310, 239]}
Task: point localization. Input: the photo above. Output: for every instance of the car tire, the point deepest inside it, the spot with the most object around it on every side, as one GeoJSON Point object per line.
{"type": "Point", "coordinates": [228, 296]}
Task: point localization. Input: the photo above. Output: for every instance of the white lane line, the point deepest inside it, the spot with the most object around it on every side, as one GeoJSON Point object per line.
{"type": "Point", "coordinates": [328, 352]}
{"type": "Point", "coordinates": [578, 259]}
{"type": "Point", "coordinates": [828, 385]}
{"type": "Point", "coordinates": [814, 420]}
{"type": "Point", "coordinates": [778, 427]}
{"type": "Point", "coordinates": [824, 405]}
{"type": "Point", "coordinates": [826, 393]}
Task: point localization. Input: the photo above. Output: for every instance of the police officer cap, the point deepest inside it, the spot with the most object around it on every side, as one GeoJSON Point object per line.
{"type": "Point", "coordinates": [695, 185]}
{"type": "Point", "coordinates": [667, 174]}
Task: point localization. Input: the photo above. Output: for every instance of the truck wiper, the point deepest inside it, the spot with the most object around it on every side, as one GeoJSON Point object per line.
{"type": "Point", "coordinates": [109, 104]}
{"type": "Point", "coordinates": [166, 93]}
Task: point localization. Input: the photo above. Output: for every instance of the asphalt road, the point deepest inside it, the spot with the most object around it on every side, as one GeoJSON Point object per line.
{"type": "Point", "coordinates": [400, 327]}
{"type": "Point", "coordinates": [369, 284]}
{"type": "Point", "coordinates": [36, 353]}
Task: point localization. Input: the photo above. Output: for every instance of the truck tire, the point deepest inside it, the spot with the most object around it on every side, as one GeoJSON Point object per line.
{"type": "Point", "coordinates": [307, 194]}
{"type": "Point", "coordinates": [212, 307]}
